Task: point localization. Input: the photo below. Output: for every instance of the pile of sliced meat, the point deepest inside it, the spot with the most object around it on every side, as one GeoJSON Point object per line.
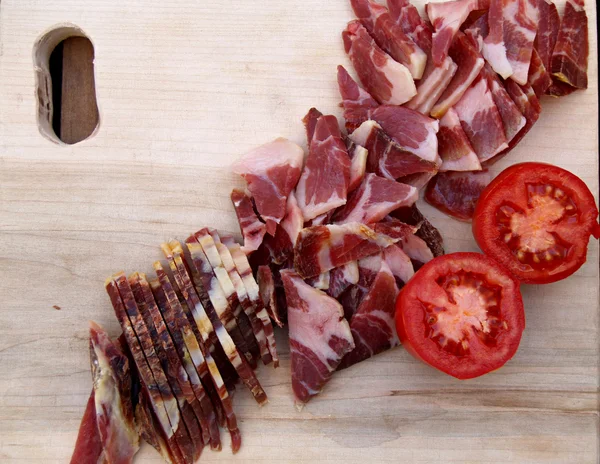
{"type": "Point", "coordinates": [443, 98]}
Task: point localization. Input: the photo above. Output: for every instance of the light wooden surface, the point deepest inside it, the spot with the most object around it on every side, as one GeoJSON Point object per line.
{"type": "Point", "coordinates": [185, 87]}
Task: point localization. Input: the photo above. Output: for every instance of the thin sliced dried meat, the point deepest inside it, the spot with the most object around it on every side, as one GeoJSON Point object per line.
{"type": "Point", "coordinates": [454, 146]}
{"type": "Point", "coordinates": [342, 277]}
{"type": "Point", "coordinates": [355, 100]}
{"type": "Point", "coordinates": [408, 18]}
{"type": "Point", "coordinates": [358, 164]}
{"type": "Point", "coordinates": [266, 286]}
{"type": "Point", "coordinates": [477, 31]}
{"type": "Point", "coordinates": [399, 263]}
{"type": "Point", "coordinates": [547, 33]}
{"type": "Point", "coordinates": [426, 230]}
{"type": "Point", "coordinates": [539, 78]}
{"type": "Point", "coordinates": [253, 229]}
{"type": "Point", "coordinates": [320, 282]}
{"type": "Point", "coordinates": [319, 336]}
{"type": "Point", "coordinates": [88, 446]}
{"type": "Point", "coordinates": [456, 193]}
{"type": "Point", "coordinates": [417, 250]}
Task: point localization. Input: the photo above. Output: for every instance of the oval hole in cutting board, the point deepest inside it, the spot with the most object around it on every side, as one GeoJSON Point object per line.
{"type": "Point", "coordinates": [67, 110]}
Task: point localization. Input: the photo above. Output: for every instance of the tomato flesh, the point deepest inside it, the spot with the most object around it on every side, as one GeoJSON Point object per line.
{"type": "Point", "coordinates": [462, 314]}
{"type": "Point", "coordinates": [536, 219]}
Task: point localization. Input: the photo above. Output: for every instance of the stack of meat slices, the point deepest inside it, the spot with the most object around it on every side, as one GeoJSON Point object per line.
{"type": "Point", "coordinates": [333, 238]}
{"type": "Point", "coordinates": [190, 333]}
{"type": "Point", "coordinates": [479, 67]}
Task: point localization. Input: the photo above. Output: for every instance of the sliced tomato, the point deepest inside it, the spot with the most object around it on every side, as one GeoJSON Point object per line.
{"type": "Point", "coordinates": [461, 313]}
{"type": "Point", "coordinates": [536, 220]}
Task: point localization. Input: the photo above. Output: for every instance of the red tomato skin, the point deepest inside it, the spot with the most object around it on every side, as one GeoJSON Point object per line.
{"type": "Point", "coordinates": [490, 242]}
{"type": "Point", "coordinates": [410, 340]}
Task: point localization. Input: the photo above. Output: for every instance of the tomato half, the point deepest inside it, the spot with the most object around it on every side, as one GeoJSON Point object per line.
{"type": "Point", "coordinates": [536, 220]}
{"type": "Point", "coordinates": [461, 313]}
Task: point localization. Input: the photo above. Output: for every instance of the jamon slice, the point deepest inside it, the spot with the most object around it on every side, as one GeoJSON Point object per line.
{"type": "Point", "coordinates": [322, 248]}
{"type": "Point", "coordinates": [112, 396]}
{"type": "Point", "coordinates": [446, 18]}
{"type": "Point", "coordinates": [342, 277]}
{"type": "Point", "coordinates": [266, 286]}
{"type": "Point", "coordinates": [177, 370]}
{"type": "Point", "coordinates": [512, 119]}
{"type": "Point", "coordinates": [323, 185]}
{"type": "Point", "coordinates": [385, 157]}
{"type": "Point", "coordinates": [319, 336]}
{"type": "Point", "coordinates": [271, 171]}
{"type": "Point", "coordinates": [399, 264]}
{"type": "Point", "coordinates": [454, 146]}
{"type": "Point", "coordinates": [539, 78]}
{"type": "Point", "coordinates": [243, 267]}
{"type": "Point", "coordinates": [570, 56]}
{"type": "Point", "coordinates": [320, 282]}
{"type": "Point", "coordinates": [469, 63]}
{"type": "Point", "coordinates": [547, 33]}
{"type": "Point", "coordinates": [481, 121]}
{"type": "Point", "coordinates": [358, 164]}
{"type": "Point", "coordinates": [374, 199]}
{"type": "Point", "coordinates": [433, 84]}
{"type": "Point", "coordinates": [253, 229]}
{"type": "Point", "coordinates": [408, 18]}
{"type": "Point", "coordinates": [195, 345]}
{"type": "Point", "coordinates": [384, 78]}
{"type": "Point", "coordinates": [88, 447]}
{"type": "Point", "coordinates": [149, 428]}
{"type": "Point", "coordinates": [426, 230]}
{"type": "Point", "coordinates": [417, 250]}
{"type": "Point", "coordinates": [509, 43]}
{"type": "Point", "coordinates": [310, 123]}
{"type": "Point", "coordinates": [164, 404]}
{"type": "Point", "coordinates": [389, 36]}
{"type": "Point", "coordinates": [528, 104]}
{"type": "Point", "coordinates": [477, 31]}
{"type": "Point", "coordinates": [456, 193]}
{"type": "Point", "coordinates": [372, 325]}
{"type": "Point", "coordinates": [355, 100]}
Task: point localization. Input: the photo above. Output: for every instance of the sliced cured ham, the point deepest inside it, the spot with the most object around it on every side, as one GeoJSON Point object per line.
{"type": "Point", "coordinates": [310, 123]}
{"type": "Point", "coordinates": [481, 121]}
{"type": "Point", "coordinates": [322, 248]}
{"type": "Point", "coordinates": [271, 171]}
{"type": "Point", "coordinates": [112, 397]}
{"type": "Point", "coordinates": [253, 229]}
{"type": "Point", "coordinates": [539, 77]}
{"type": "Point", "coordinates": [358, 164]}
{"type": "Point", "coordinates": [355, 100]}
{"type": "Point", "coordinates": [384, 78]}
{"type": "Point", "coordinates": [88, 447]}
{"type": "Point", "coordinates": [342, 277]}
{"type": "Point", "coordinates": [323, 185]}
{"type": "Point", "coordinates": [399, 264]}
{"type": "Point", "coordinates": [430, 88]}
{"type": "Point", "coordinates": [266, 286]}
{"type": "Point", "coordinates": [417, 250]}
{"type": "Point", "coordinates": [425, 231]}
{"type": "Point", "coordinates": [547, 33]}
{"type": "Point", "coordinates": [372, 325]}
{"type": "Point", "coordinates": [477, 31]}
{"type": "Point", "coordinates": [319, 336]}
{"type": "Point", "coordinates": [389, 36]}
{"type": "Point", "coordinates": [374, 199]}
{"type": "Point", "coordinates": [509, 44]}
{"type": "Point", "coordinates": [454, 146]}
{"type": "Point", "coordinates": [469, 62]}
{"type": "Point", "coordinates": [320, 282]}
{"type": "Point", "coordinates": [408, 18]}
{"type": "Point", "coordinates": [456, 193]}
{"type": "Point", "coordinates": [570, 56]}
{"type": "Point", "coordinates": [446, 18]}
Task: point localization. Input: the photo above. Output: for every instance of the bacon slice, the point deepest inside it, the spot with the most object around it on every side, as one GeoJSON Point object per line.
{"type": "Point", "coordinates": [374, 199]}
{"type": "Point", "coordinates": [355, 100]}
{"type": "Point", "coordinates": [385, 79]}
{"type": "Point", "coordinates": [456, 193]}
{"type": "Point", "coordinates": [322, 248]}
{"type": "Point", "coordinates": [88, 447]}
{"type": "Point", "coordinates": [389, 36]}
{"type": "Point", "coordinates": [323, 185]}
{"type": "Point", "coordinates": [319, 336]}
{"type": "Point", "coordinates": [547, 33]}
{"type": "Point", "coordinates": [342, 277]}
{"type": "Point", "coordinates": [266, 287]}
{"type": "Point", "coordinates": [570, 56]}
{"type": "Point", "coordinates": [253, 229]}
{"type": "Point", "coordinates": [454, 146]}
{"type": "Point", "coordinates": [372, 325]}
{"type": "Point", "coordinates": [481, 121]}
{"type": "Point", "coordinates": [469, 63]}
{"type": "Point", "coordinates": [271, 171]}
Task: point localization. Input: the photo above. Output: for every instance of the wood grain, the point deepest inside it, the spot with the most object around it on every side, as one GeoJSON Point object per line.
{"type": "Point", "coordinates": [183, 89]}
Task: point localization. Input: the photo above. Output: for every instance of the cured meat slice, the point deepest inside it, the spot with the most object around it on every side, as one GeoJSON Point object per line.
{"type": "Point", "coordinates": [446, 18]}
{"type": "Point", "coordinates": [266, 287]}
{"type": "Point", "coordinates": [355, 100]}
{"type": "Point", "coordinates": [322, 248]}
{"type": "Point", "coordinates": [243, 267]}
{"type": "Point", "coordinates": [205, 278]}
{"type": "Point", "coordinates": [293, 221]}
{"type": "Point", "coordinates": [319, 336]}
{"type": "Point", "coordinates": [528, 104]}
{"type": "Point", "coordinates": [195, 345]}
{"type": "Point", "coordinates": [323, 185]}
{"type": "Point", "coordinates": [469, 63]}
{"type": "Point", "coordinates": [433, 84]}
{"type": "Point", "coordinates": [454, 146]}
{"type": "Point", "coordinates": [425, 231]}
{"type": "Point", "coordinates": [539, 78]}
{"type": "Point", "coordinates": [408, 18]}
{"type": "Point", "coordinates": [512, 119]}
{"type": "Point", "coordinates": [547, 32]}
{"type": "Point", "coordinates": [271, 171]}
{"type": "Point", "coordinates": [570, 56]}
{"type": "Point", "coordinates": [384, 78]}
{"type": "Point", "coordinates": [358, 165]}
{"type": "Point", "coordinates": [481, 121]}
{"type": "Point", "coordinates": [560, 89]}
{"type": "Point", "coordinates": [253, 229]}
{"type": "Point", "coordinates": [456, 193]}
{"type": "Point", "coordinates": [477, 31]}
{"type": "Point", "coordinates": [88, 447]}
{"type": "Point", "coordinates": [177, 370]}
{"type": "Point", "coordinates": [393, 229]}
{"type": "Point", "coordinates": [341, 278]}
{"type": "Point", "coordinates": [417, 250]}
{"type": "Point", "coordinates": [372, 325]}
{"type": "Point", "coordinates": [509, 43]}
{"type": "Point", "coordinates": [399, 263]}
{"type": "Point", "coordinates": [385, 157]}
{"type": "Point", "coordinates": [164, 404]}
{"type": "Point", "coordinates": [310, 123]}
{"type": "Point", "coordinates": [389, 36]}
{"type": "Point", "coordinates": [112, 396]}
{"type": "Point", "coordinates": [320, 282]}
{"type": "Point", "coordinates": [374, 199]}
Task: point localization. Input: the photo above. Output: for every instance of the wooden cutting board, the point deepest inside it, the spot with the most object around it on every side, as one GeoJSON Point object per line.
{"type": "Point", "coordinates": [184, 88]}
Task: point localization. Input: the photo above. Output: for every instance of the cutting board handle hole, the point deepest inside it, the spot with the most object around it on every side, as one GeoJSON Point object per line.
{"type": "Point", "coordinates": [67, 110]}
